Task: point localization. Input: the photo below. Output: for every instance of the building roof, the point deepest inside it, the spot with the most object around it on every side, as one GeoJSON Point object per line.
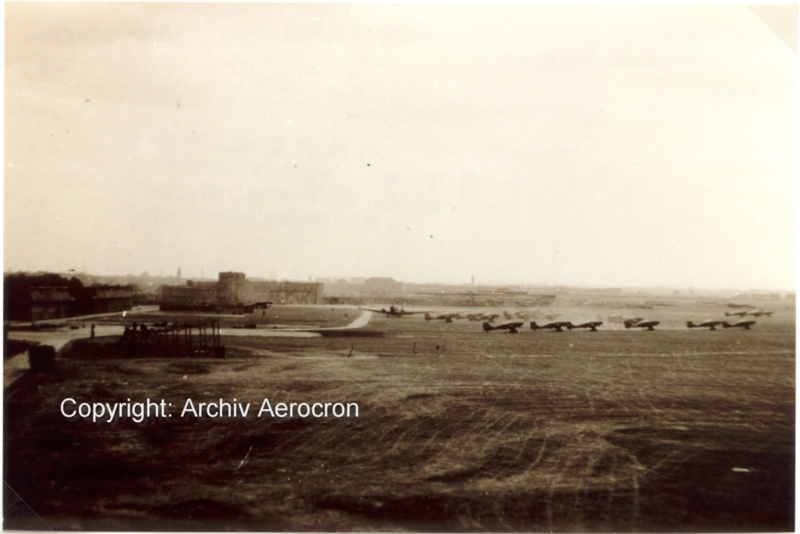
{"type": "Point", "coordinates": [50, 294]}
{"type": "Point", "coordinates": [109, 292]}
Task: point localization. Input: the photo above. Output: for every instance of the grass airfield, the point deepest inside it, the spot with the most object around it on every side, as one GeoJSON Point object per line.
{"type": "Point", "coordinates": [459, 429]}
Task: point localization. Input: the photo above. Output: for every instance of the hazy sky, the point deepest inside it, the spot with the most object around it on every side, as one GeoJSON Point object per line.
{"type": "Point", "coordinates": [607, 146]}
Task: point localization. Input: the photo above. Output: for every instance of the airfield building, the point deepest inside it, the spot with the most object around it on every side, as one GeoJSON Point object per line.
{"type": "Point", "coordinates": [382, 286]}
{"type": "Point", "coordinates": [232, 291]}
{"type": "Point", "coordinates": [55, 302]}
{"type": "Point", "coordinates": [104, 299]}
{"type": "Point", "coordinates": [41, 303]}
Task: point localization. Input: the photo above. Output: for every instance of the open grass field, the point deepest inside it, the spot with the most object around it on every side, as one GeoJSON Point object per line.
{"type": "Point", "coordinates": [458, 430]}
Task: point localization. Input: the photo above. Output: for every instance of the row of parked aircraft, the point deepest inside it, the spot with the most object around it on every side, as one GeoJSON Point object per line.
{"type": "Point", "coordinates": [394, 311]}
{"type": "Point", "coordinates": [754, 313]}
{"type": "Point", "coordinates": [449, 317]}
{"type": "Point", "coordinates": [725, 324]}
{"type": "Point", "coordinates": [400, 312]}
{"type": "Point", "coordinates": [513, 326]}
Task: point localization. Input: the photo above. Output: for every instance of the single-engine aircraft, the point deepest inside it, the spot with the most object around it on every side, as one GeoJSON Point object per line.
{"type": "Point", "coordinates": [641, 324]}
{"type": "Point", "coordinates": [511, 326]}
{"type": "Point", "coordinates": [393, 311]}
{"type": "Point", "coordinates": [759, 313]}
{"type": "Point", "coordinates": [482, 317]}
{"type": "Point", "coordinates": [557, 326]}
{"type": "Point", "coordinates": [740, 313]}
{"type": "Point", "coordinates": [447, 317]}
{"type": "Point", "coordinates": [516, 315]}
{"type": "Point", "coordinates": [711, 325]}
{"type": "Point", "coordinates": [591, 325]}
{"type": "Point", "coordinates": [741, 324]}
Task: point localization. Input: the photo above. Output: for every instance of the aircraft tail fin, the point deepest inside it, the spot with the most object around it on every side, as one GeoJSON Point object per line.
{"type": "Point", "coordinates": [487, 327]}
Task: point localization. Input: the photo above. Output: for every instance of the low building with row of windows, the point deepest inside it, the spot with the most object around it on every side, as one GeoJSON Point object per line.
{"type": "Point", "coordinates": [54, 302]}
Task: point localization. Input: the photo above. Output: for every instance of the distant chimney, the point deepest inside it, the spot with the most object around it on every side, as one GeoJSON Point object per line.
{"type": "Point", "coordinates": [179, 271]}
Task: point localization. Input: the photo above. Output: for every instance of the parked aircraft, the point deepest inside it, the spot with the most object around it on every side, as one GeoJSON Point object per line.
{"type": "Point", "coordinates": [557, 326]}
{"type": "Point", "coordinates": [740, 313]}
{"type": "Point", "coordinates": [623, 318]}
{"type": "Point", "coordinates": [641, 324]}
{"type": "Point", "coordinates": [591, 325]}
{"type": "Point", "coordinates": [511, 326]}
{"type": "Point", "coordinates": [448, 318]}
{"type": "Point", "coordinates": [741, 324]}
{"type": "Point", "coordinates": [262, 305]}
{"type": "Point", "coordinates": [759, 313]}
{"type": "Point", "coordinates": [482, 317]}
{"type": "Point", "coordinates": [712, 325]}
{"type": "Point", "coordinates": [392, 311]}
{"type": "Point", "coordinates": [516, 315]}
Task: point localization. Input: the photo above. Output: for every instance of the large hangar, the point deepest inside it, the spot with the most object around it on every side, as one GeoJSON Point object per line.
{"type": "Point", "coordinates": [233, 290]}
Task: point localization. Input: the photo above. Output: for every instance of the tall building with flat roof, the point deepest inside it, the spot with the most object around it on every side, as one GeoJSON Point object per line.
{"type": "Point", "coordinates": [229, 288]}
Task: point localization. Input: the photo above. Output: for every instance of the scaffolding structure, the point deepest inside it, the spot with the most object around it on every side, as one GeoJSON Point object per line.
{"type": "Point", "coordinates": [178, 340]}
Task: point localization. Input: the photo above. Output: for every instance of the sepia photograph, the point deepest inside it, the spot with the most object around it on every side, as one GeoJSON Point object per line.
{"type": "Point", "coordinates": [400, 267]}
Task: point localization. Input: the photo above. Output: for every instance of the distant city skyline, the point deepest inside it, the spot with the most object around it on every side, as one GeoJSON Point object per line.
{"type": "Point", "coordinates": [476, 284]}
{"type": "Point", "coordinates": [587, 146]}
